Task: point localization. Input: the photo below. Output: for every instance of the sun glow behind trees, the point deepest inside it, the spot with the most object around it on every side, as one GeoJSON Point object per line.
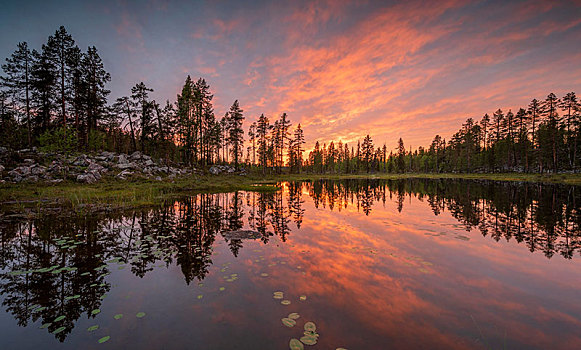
{"type": "Point", "coordinates": [61, 91]}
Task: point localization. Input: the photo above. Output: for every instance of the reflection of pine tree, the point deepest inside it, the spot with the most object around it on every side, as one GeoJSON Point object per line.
{"type": "Point", "coordinates": [233, 217]}
{"type": "Point", "coordinates": [279, 217]}
{"type": "Point", "coordinates": [295, 202]}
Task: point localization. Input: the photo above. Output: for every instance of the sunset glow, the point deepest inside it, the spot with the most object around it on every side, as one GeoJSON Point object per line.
{"type": "Point", "coordinates": [341, 69]}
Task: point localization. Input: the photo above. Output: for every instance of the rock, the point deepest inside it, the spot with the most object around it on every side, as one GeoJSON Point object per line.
{"type": "Point", "coordinates": [122, 159]}
{"type": "Point", "coordinates": [123, 166]}
{"type": "Point", "coordinates": [149, 162]}
{"type": "Point", "coordinates": [81, 161]}
{"type": "Point", "coordinates": [122, 175]}
{"type": "Point", "coordinates": [21, 171]}
{"type": "Point", "coordinates": [158, 178]}
{"type": "Point", "coordinates": [241, 234]}
{"type": "Point", "coordinates": [2, 168]}
{"type": "Point", "coordinates": [86, 178]}
{"type": "Point", "coordinates": [94, 167]}
{"type": "Point", "coordinates": [38, 170]}
{"type": "Point", "coordinates": [135, 155]}
{"type": "Point", "coordinates": [214, 170]}
{"type": "Point", "coordinates": [56, 181]}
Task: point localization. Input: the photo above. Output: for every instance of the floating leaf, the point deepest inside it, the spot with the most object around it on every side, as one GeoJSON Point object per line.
{"type": "Point", "coordinates": [424, 270]}
{"type": "Point", "coordinates": [104, 339]}
{"type": "Point", "coordinates": [46, 325]}
{"type": "Point", "coordinates": [285, 302]}
{"type": "Point", "coordinates": [140, 314]}
{"type": "Point", "coordinates": [294, 315]}
{"type": "Point", "coordinates": [93, 328]}
{"type": "Point", "coordinates": [118, 316]}
{"type": "Point", "coordinates": [60, 318]}
{"type": "Point", "coordinates": [278, 295]}
{"type": "Point", "coordinates": [309, 339]}
{"type": "Point", "coordinates": [295, 344]}
{"type": "Point", "coordinates": [264, 274]}
{"type": "Point", "coordinates": [222, 289]}
{"type": "Point", "coordinates": [39, 309]}
{"type": "Point", "coordinates": [289, 322]}
{"type": "Point", "coordinates": [310, 326]}
{"type": "Point", "coordinates": [303, 297]}
{"type": "Point", "coordinates": [200, 296]}
{"type": "Point", "coordinates": [96, 311]}
{"type": "Point", "coordinates": [58, 330]}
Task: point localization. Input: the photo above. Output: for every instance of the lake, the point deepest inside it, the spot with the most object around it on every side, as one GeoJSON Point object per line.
{"type": "Point", "coordinates": [353, 264]}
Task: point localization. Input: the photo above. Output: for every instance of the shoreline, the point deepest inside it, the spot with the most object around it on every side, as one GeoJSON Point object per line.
{"type": "Point", "coordinates": [111, 194]}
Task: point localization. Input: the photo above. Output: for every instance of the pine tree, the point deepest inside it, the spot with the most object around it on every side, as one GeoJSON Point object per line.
{"type": "Point", "coordinates": [367, 150]}
{"type": "Point", "coordinates": [140, 99]}
{"type": "Point", "coordinates": [95, 77]}
{"type": "Point", "coordinates": [262, 131]}
{"type": "Point", "coordinates": [236, 133]}
{"type": "Point", "coordinates": [18, 70]}
{"type": "Point", "coordinates": [400, 156]}
{"type": "Point", "coordinates": [59, 48]}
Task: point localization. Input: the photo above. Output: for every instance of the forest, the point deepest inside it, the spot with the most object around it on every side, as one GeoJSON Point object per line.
{"type": "Point", "coordinates": [56, 98]}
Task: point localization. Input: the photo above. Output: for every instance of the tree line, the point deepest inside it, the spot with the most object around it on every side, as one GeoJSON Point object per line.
{"type": "Point", "coordinates": [535, 139]}
{"type": "Point", "coordinates": [56, 98]}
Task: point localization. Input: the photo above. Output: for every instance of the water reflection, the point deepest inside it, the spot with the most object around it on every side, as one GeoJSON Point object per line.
{"type": "Point", "coordinates": [54, 266]}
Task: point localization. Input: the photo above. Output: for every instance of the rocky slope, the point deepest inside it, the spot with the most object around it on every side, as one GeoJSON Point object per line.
{"type": "Point", "coordinates": [32, 165]}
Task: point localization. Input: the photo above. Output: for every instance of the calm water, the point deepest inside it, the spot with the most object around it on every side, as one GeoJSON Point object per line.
{"type": "Point", "coordinates": [414, 264]}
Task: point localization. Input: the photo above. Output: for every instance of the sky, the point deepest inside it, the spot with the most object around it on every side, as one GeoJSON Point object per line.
{"type": "Point", "coordinates": [342, 69]}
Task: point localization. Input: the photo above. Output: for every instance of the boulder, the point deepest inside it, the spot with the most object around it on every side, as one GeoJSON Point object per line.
{"type": "Point", "coordinates": [95, 167]}
{"type": "Point", "coordinates": [214, 170]}
{"type": "Point", "coordinates": [37, 170]}
{"type": "Point", "coordinates": [122, 159]}
{"type": "Point", "coordinates": [123, 175]}
{"type": "Point", "coordinates": [86, 178]}
{"type": "Point", "coordinates": [135, 155]}
{"type": "Point", "coordinates": [81, 161]}
{"type": "Point", "coordinates": [241, 234]}
{"type": "Point", "coordinates": [124, 166]}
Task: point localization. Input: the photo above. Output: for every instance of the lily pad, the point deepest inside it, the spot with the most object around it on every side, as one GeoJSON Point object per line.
{"type": "Point", "coordinates": [294, 316]}
{"type": "Point", "coordinates": [295, 344]}
{"type": "Point", "coordinates": [93, 328]}
{"type": "Point", "coordinates": [285, 302]}
{"type": "Point", "coordinates": [104, 339]}
{"type": "Point", "coordinates": [309, 339]}
{"type": "Point", "coordinates": [310, 326]}
{"type": "Point", "coordinates": [140, 314]}
{"type": "Point", "coordinates": [289, 322]}
{"type": "Point", "coordinates": [58, 330]}
{"type": "Point", "coordinates": [118, 316]}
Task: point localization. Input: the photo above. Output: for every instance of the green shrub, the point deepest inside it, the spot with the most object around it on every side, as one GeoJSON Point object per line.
{"type": "Point", "coordinates": [62, 140]}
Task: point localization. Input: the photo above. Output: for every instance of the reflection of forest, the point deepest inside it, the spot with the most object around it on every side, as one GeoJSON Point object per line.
{"type": "Point", "coordinates": [55, 267]}
{"type": "Point", "coordinates": [545, 217]}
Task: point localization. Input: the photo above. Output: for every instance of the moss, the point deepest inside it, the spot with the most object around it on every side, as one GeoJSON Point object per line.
{"type": "Point", "coordinates": [112, 193]}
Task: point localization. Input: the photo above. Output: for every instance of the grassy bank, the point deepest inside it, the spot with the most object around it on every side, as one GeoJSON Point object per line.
{"type": "Point", "coordinates": [116, 194]}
